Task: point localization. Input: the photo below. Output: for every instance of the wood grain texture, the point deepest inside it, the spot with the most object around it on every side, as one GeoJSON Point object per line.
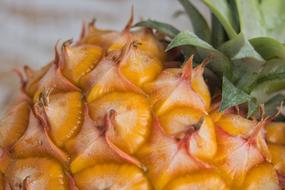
{"type": "Point", "coordinates": [30, 28]}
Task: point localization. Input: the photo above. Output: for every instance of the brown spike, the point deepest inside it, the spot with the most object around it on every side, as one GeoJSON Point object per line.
{"type": "Point", "coordinates": [71, 182]}
{"type": "Point", "coordinates": [21, 77]}
{"type": "Point", "coordinates": [27, 183]}
{"type": "Point", "coordinates": [130, 22]}
{"type": "Point", "coordinates": [187, 69]}
{"type": "Point", "coordinates": [57, 53]}
{"type": "Point", "coordinates": [91, 24]}
{"type": "Point", "coordinates": [28, 71]}
{"type": "Point", "coordinates": [83, 31]}
{"type": "Point", "coordinates": [23, 94]}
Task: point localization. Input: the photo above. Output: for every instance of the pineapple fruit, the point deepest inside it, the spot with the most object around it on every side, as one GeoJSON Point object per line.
{"type": "Point", "coordinates": [114, 111]}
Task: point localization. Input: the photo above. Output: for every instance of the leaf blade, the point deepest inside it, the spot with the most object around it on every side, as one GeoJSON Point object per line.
{"type": "Point", "coordinates": [268, 48]}
{"type": "Point", "coordinates": [223, 12]}
{"type": "Point", "coordinates": [232, 96]}
{"type": "Point", "coordinates": [199, 23]}
{"type": "Point", "coordinates": [162, 27]}
{"type": "Point", "coordinates": [219, 63]}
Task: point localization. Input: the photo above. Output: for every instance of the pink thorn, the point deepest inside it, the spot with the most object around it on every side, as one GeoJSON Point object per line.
{"type": "Point", "coordinates": [83, 30]}
{"type": "Point", "coordinates": [28, 71]}
{"type": "Point", "coordinates": [21, 77]}
{"type": "Point", "coordinates": [187, 69]}
{"type": "Point", "coordinates": [281, 179]}
{"type": "Point", "coordinates": [91, 24]}
{"type": "Point", "coordinates": [130, 22]}
{"type": "Point", "coordinates": [27, 183]}
{"type": "Point", "coordinates": [254, 133]}
{"type": "Point", "coordinates": [71, 182]}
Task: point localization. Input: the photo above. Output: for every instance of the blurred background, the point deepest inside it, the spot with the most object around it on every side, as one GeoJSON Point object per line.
{"type": "Point", "coordinates": [29, 29]}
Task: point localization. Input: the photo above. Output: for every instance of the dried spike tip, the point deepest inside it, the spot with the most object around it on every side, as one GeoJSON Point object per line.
{"type": "Point", "coordinates": [86, 28]}
{"type": "Point", "coordinates": [22, 78]}
{"type": "Point", "coordinates": [27, 183]}
{"type": "Point", "coordinates": [187, 69]}
{"type": "Point", "coordinates": [71, 182]}
{"type": "Point", "coordinates": [253, 134]}
{"type": "Point", "coordinates": [29, 72]}
{"type": "Point", "coordinates": [130, 22]}
{"type": "Point", "coordinates": [44, 97]}
{"type": "Point", "coordinates": [66, 44]}
{"type": "Point", "coordinates": [83, 30]}
{"type": "Point", "coordinates": [57, 53]}
{"type": "Point", "coordinates": [257, 137]}
{"type": "Point", "coordinates": [54, 78]}
{"type": "Point", "coordinates": [23, 96]}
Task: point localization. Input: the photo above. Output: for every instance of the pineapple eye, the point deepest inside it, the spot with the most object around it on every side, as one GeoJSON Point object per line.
{"type": "Point", "coordinates": [131, 123]}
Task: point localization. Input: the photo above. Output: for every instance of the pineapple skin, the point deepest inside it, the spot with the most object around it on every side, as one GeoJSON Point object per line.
{"type": "Point", "coordinates": [107, 113]}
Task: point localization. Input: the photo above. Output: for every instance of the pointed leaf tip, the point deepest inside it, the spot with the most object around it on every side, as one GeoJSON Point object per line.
{"type": "Point", "coordinates": [199, 23]}
{"type": "Point", "coordinates": [232, 95]}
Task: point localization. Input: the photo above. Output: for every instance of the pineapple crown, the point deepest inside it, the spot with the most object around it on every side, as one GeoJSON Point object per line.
{"type": "Point", "coordinates": [246, 45]}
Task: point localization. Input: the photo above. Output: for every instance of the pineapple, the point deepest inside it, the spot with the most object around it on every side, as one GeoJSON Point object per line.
{"type": "Point", "coordinates": [115, 111]}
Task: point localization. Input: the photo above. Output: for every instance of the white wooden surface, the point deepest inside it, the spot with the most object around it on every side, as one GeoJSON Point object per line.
{"type": "Point", "coordinates": [30, 28]}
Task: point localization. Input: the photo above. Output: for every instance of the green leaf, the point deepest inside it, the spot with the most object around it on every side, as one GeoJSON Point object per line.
{"type": "Point", "coordinates": [218, 36]}
{"type": "Point", "coordinates": [246, 72]}
{"type": "Point", "coordinates": [274, 18]}
{"type": "Point", "coordinates": [273, 69]}
{"type": "Point", "coordinates": [232, 96]}
{"type": "Point", "coordinates": [250, 18]}
{"type": "Point", "coordinates": [199, 23]}
{"type": "Point", "coordinates": [272, 105]}
{"type": "Point", "coordinates": [161, 27]}
{"type": "Point", "coordinates": [239, 48]}
{"type": "Point", "coordinates": [188, 38]}
{"type": "Point", "coordinates": [268, 48]}
{"type": "Point", "coordinates": [223, 12]}
{"type": "Point", "coordinates": [247, 63]}
{"type": "Point", "coordinates": [270, 81]}
{"type": "Point", "coordinates": [267, 89]}
{"type": "Point", "coordinates": [262, 18]}
{"type": "Point", "coordinates": [219, 63]}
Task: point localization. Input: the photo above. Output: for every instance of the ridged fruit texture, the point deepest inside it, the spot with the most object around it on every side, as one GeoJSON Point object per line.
{"type": "Point", "coordinates": [110, 113]}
